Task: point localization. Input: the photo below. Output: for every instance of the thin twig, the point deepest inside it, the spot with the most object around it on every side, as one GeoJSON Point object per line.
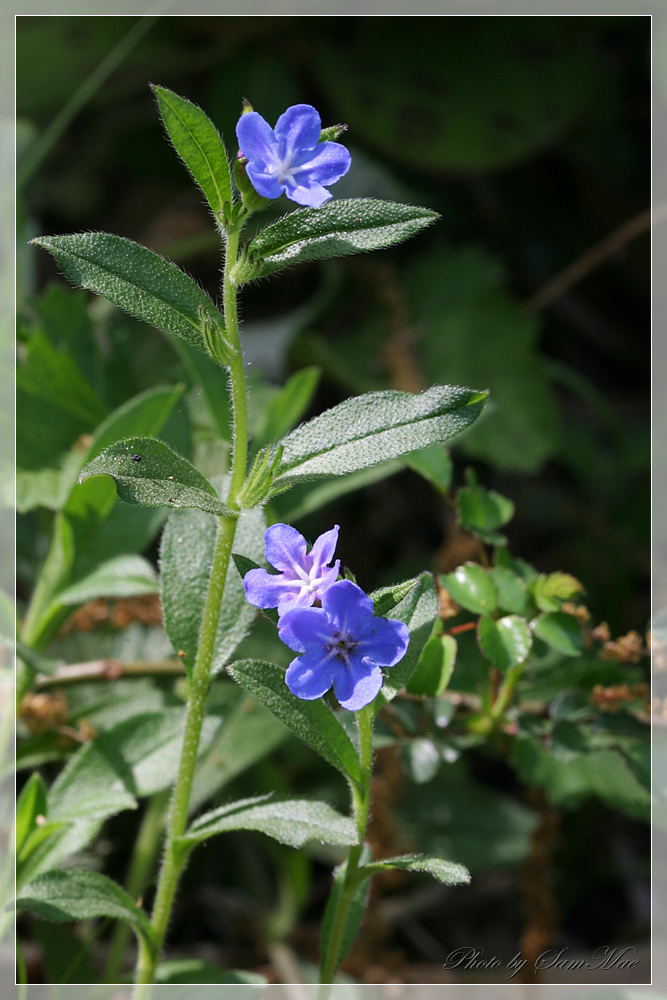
{"type": "Point", "coordinates": [108, 670]}
{"type": "Point", "coordinates": [595, 256]}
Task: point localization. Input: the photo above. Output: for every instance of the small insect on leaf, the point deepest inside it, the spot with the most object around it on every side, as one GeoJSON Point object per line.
{"type": "Point", "coordinates": [136, 458]}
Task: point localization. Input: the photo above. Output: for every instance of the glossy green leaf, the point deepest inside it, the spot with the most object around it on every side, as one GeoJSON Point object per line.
{"type": "Point", "coordinates": [66, 894]}
{"type": "Point", "coordinates": [353, 225]}
{"type": "Point", "coordinates": [472, 587]}
{"type": "Point", "coordinates": [137, 280]}
{"type": "Point", "coordinates": [287, 407]}
{"type": "Point", "coordinates": [124, 576]}
{"type": "Point", "coordinates": [551, 591]}
{"type": "Point", "coordinates": [511, 590]}
{"type": "Point", "coordinates": [293, 822]}
{"type": "Point", "coordinates": [312, 721]}
{"type": "Point", "coordinates": [199, 145]}
{"type": "Point", "coordinates": [369, 429]}
{"type": "Point", "coordinates": [418, 610]}
{"type": "Point", "coordinates": [560, 631]}
{"type": "Point", "coordinates": [435, 667]}
{"type": "Point", "coordinates": [355, 912]}
{"type": "Point", "coordinates": [505, 642]}
{"type": "Point", "coordinates": [186, 556]}
{"type": "Point", "coordinates": [483, 512]}
{"type": "Point", "coordinates": [30, 805]}
{"type": "Point", "coordinates": [447, 872]}
{"type": "Point", "coordinates": [147, 472]}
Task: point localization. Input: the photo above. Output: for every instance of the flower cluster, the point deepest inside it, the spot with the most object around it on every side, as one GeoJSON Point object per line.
{"type": "Point", "coordinates": [329, 622]}
{"type": "Point", "coordinates": [291, 158]}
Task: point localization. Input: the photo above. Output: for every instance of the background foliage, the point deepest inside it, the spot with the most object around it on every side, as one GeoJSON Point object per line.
{"type": "Point", "coordinates": [530, 137]}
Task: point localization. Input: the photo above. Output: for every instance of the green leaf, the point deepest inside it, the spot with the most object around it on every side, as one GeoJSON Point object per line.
{"type": "Point", "coordinates": [355, 912]}
{"type": "Point", "coordinates": [70, 894]}
{"type": "Point", "coordinates": [551, 591]}
{"type": "Point", "coordinates": [137, 280]}
{"type": "Point", "coordinates": [53, 378]}
{"type": "Point", "coordinates": [435, 666]}
{"type": "Point", "coordinates": [422, 758]}
{"type": "Point", "coordinates": [308, 497]}
{"type": "Point", "coordinates": [377, 426]}
{"type": "Point", "coordinates": [471, 586]}
{"type": "Point", "coordinates": [287, 407]}
{"type": "Point", "coordinates": [48, 845]}
{"type": "Point", "coordinates": [124, 576]}
{"type": "Point", "coordinates": [385, 599]}
{"type": "Point", "coordinates": [199, 145]}
{"type": "Point", "coordinates": [560, 631]}
{"type": "Point", "coordinates": [198, 970]}
{"type": "Point", "coordinates": [506, 642]}
{"type": "Point", "coordinates": [419, 611]}
{"type": "Point", "coordinates": [434, 464]}
{"type": "Point", "coordinates": [147, 472]}
{"type": "Point", "coordinates": [347, 226]}
{"type": "Point", "coordinates": [511, 590]}
{"type": "Point", "coordinates": [312, 721]}
{"type": "Point", "coordinates": [186, 556]}
{"type": "Point", "coordinates": [482, 512]}
{"type": "Point", "coordinates": [293, 822]}
{"type": "Point", "coordinates": [447, 872]}
{"type": "Point", "coordinates": [31, 804]}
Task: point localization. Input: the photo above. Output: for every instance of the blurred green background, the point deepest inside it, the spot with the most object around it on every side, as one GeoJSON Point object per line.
{"type": "Point", "coordinates": [530, 136]}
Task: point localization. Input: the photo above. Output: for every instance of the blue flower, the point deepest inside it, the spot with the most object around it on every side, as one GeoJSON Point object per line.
{"type": "Point", "coordinates": [343, 644]}
{"type": "Point", "coordinates": [303, 577]}
{"type": "Point", "coordinates": [291, 158]}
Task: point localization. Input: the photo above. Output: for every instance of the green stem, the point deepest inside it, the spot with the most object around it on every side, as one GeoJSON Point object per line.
{"type": "Point", "coordinates": [174, 860]}
{"type": "Point", "coordinates": [505, 693]}
{"type": "Point", "coordinates": [361, 796]}
{"type": "Point", "coordinates": [143, 859]}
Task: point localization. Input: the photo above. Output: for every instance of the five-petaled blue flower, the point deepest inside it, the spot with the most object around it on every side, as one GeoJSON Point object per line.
{"type": "Point", "coordinates": [303, 577]}
{"type": "Point", "coordinates": [291, 158]}
{"type": "Point", "coordinates": [342, 643]}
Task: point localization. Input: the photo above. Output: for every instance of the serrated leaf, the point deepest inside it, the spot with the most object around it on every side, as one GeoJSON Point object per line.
{"type": "Point", "coordinates": [560, 631]}
{"type": "Point", "coordinates": [70, 894]}
{"type": "Point", "coordinates": [293, 822]}
{"type": "Point", "coordinates": [506, 642]}
{"type": "Point", "coordinates": [186, 556]}
{"type": "Point", "coordinates": [147, 472]}
{"type": "Point", "coordinates": [435, 667]}
{"type": "Point", "coordinates": [369, 429]}
{"type": "Point", "coordinates": [471, 586]}
{"type": "Point", "coordinates": [312, 721]}
{"type": "Point", "coordinates": [353, 225]}
{"type": "Point", "coordinates": [418, 610]}
{"type": "Point", "coordinates": [137, 280]}
{"type": "Point", "coordinates": [199, 145]}
{"type": "Point", "coordinates": [447, 872]}
{"type": "Point", "coordinates": [124, 576]}
{"type": "Point", "coordinates": [355, 912]}
{"type": "Point", "coordinates": [511, 590]}
{"type": "Point", "coordinates": [551, 591]}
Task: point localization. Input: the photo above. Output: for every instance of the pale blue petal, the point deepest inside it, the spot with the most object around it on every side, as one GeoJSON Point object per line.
{"type": "Point", "coordinates": [349, 607]}
{"type": "Point", "coordinates": [308, 193]}
{"type": "Point", "coordinates": [327, 163]}
{"type": "Point", "coordinates": [357, 685]}
{"type": "Point", "coordinates": [385, 642]}
{"type": "Point", "coordinates": [309, 676]}
{"type": "Point", "coordinates": [323, 549]}
{"type": "Point", "coordinates": [297, 129]}
{"type": "Point", "coordinates": [285, 548]}
{"type": "Point", "coordinates": [267, 590]}
{"type": "Point", "coordinates": [263, 183]}
{"type": "Point", "coordinates": [257, 140]}
{"type": "Point", "coordinates": [306, 629]}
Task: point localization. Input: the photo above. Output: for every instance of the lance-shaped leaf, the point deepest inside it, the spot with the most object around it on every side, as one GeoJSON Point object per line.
{"type": "Point", "coordinates": [123, 576]}
{"type": "Point", "coordinates": [355, 912]}
{"type": "Point", "coordinates": [293, 822]}
{"type": "Point", "coordinates": [137, 280]}
{"type": "Point", "coordinates": [377, 426]}
{"type": "Point", "coordinates": [352, 225]}
{"type": "Point", "coordinates": [312, 721]}
{"type": "Point", "coordinates": [66, 894]}
{"type": "Point", "coordinates": [447, 872]}
{"type": "Point", "coordinates": [186, 555]}
{"type": "Point", "coordinates": [418, 610]}
{"type": "Point", "coordinates": [199, 145]}
{"type": "Point", "coordinates": [147, 472]}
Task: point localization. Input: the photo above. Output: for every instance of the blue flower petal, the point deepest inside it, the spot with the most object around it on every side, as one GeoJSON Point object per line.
{"type": "Point", "coordinates": [257, 140]}
{"type": "Point", "coordinates": [306, 629]}
{"type": "Point", "coordinates": [323, 548]}
{"type": "Point", "coordinates": [386, 642]}
{"type": "Point", "coordinates": [309, 676]}
{"type": "Point", "coordinates": [267, 590]}
{"type": "Point", "coordinates": [328, 162]}
{"type": "Point", "coordinates": [298, 128]}
{"type": "Point", "coordinates": [310, 194]}
{"type": "Point", "coordinates": [285, 548]}
{"type": "Point", "coordinates": [349, 607]}
{"type": "Point", "coordinates": [356, 686]}
{"type": "Point", "coordinates": [264, 183]}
